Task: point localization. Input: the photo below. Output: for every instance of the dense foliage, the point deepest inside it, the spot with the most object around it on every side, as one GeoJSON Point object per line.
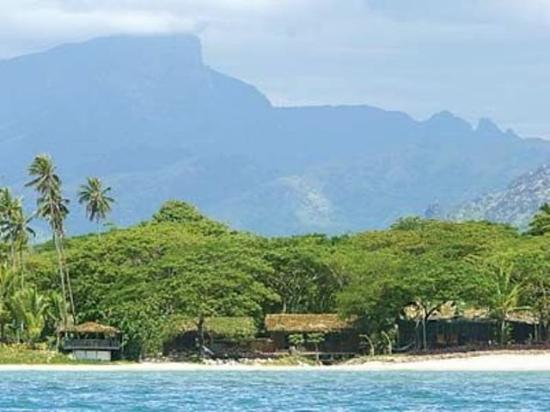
{"type": "Point", "coordinates": [181, 265]}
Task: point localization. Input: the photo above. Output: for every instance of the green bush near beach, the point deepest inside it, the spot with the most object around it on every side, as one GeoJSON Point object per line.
{"type": "Point", "coordinates": [23, 354]}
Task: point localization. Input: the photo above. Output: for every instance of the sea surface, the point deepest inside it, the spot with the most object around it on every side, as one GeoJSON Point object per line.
{"type": "Point", "coordinates": [274, 391]}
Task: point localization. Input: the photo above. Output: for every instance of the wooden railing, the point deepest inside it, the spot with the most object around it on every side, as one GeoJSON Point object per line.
{"type": "Point", "coordinates": [91, 344]}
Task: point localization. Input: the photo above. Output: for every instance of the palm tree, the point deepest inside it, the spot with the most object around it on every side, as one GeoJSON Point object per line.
{"type": "Point", "coordinates": [53, 208]}
{"type": "Point", "coordinates": [56, 308]}
{"type": "Point", "coordinates": [541, 221]}
{"type": "Point", "coordinates": [15, 229]}
{"type": "Point", "coordinates": [9, 206]}
{"type": "Point", "coordinates": [7, 283]}
{"type": "Point", "coordinates": [97, 199]}
{"type": "Point", "coordinates": [30, 309]}
{"type": "Point", "coordinates": [506, 295]}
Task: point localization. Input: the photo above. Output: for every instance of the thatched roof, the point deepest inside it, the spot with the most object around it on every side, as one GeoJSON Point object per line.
{"type": "Point", "coordinates": [91, 327]}
{"type": "Point", "coordinates": [222, 326]}
{"type": "Point", "coordinates": [449, 312]}
{"type": "Point", "coordinates": [306, 323]}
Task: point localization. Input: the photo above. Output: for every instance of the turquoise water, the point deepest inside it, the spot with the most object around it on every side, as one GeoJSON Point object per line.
{"type": "Point", "coordinates": [274, 391]}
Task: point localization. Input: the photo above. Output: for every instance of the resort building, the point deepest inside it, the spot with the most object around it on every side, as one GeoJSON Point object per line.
{"type": "Point", "coordinates": [472, 327]}
{"type": "Point", "coordinates": [325, 334]}
{"type": "Point", "coordinates": [91, 341]}
{"type": "Point", "coordinates": [223, 336]}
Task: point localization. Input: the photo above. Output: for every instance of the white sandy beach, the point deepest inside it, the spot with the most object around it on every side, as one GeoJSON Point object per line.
{"type": "Point", "coordinates": [532, 361]}
{"type": "Point", "coordinates": [484, 362]}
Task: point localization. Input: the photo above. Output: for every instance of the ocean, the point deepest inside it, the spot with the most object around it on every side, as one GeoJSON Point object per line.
{"type": "Point", "coordinates": [274, 391]}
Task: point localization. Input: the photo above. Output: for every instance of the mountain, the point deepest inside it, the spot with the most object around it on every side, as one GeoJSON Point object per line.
{"type": "Point", "coordinates": [515, 205]}
{"type": "Point", "coordinates": [149, 117]}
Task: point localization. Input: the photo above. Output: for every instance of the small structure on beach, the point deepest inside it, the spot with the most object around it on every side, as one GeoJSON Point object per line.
{"type": "Point", "coordinates": [224, 336]}
{"type": "Point", "coordinates": [339, 337]}
{"type": "Point", "coordinates": [471, 327]}
{"type": "Point", "coordinates": [91, 341]}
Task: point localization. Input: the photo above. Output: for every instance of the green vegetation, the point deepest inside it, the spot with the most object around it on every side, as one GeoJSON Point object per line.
{"type": "Point", "coordinates": [181, 271]}
{"type": "Point", "coordinates": [541, 222]}
{"type": "Point", "coordinates": [22, 354]}
{"type": "Point", "coordinates": [96, 198]}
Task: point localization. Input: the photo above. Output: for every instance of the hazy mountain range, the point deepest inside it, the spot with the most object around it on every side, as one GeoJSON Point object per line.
{"type": "Point", "coordinates": [150, 118]}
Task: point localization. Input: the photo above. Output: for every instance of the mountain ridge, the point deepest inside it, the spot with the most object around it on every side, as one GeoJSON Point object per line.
{"type": "Point", "coordinates": [155, 122]}
{"type": "Point", "coordinates": [516, 205]}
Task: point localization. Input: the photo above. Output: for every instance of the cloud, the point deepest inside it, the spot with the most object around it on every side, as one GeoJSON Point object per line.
{"type": "Point", "coordinates": [476, 57]}
{"type": "Point", "coordinates": [28, 24]}
{"type": "Point", "coordinates": [32, 24]}
{"type": "Point", "coordinates": [47, 21]}
{"type": "Point", "coordinates": [531, 13]}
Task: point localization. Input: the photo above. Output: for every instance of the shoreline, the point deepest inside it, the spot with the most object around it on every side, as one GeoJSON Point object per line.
{"type": "Point", "coordinates": [504, 361]}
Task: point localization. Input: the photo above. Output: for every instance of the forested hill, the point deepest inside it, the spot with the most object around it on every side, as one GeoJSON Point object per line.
{"type": "Point", "coordinates": [182, 265]}
{"type": "Point", "coordinates": [155, 122]}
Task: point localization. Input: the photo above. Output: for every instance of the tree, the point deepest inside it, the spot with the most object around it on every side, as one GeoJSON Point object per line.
{"type": "Point", "coordinates": [201, 291]}
{"type": "Point", "coordinates": [373, 292]}
{"type": "Point", "coordinates": [296, 341]}
{"type": "Point", "coordinates": [431, 282]}
{"type": "Point", "coordinates": [216, 276]}
{"type": "Point", "coordinates": [541, 221]}
{"type": "Point", "coordinates": [10, 210]}
{"type": "Point", "coordinates": [30, 309]}
{"type": "Point", "coordinates": [96, 198]}
{"type": "Point", "coordinates": [501, 291]}
{"type": "Point", "coordinates": [7, 287]}
{"type": "Point", "coordinates": [140, 278]}
{"type": "Point", "coordinates": [56, 308]}
{"type": "Point", "coordinates": [186, 214]}
{"type": "Point", "coordinates": [15, 229]}
{"type": "Point", "coordinates": [301, 276]}
{"type": "Point", "coordinates": [53, 208]}
{"type": "Point", "coordinates": [536, 268]}
{"type": "Point", "coordinates": [315, 339]}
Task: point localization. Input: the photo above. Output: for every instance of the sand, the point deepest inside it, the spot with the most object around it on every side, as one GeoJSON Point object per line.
{"type": "Point", "coordinates": [503, 361]}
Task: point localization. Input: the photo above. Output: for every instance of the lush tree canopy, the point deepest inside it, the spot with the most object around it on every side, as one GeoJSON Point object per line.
{"type": "Point", "coordinates": [182, 265]}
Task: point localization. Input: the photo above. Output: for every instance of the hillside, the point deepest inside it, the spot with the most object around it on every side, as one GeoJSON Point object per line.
{"type": "Point", "coordinates": [515, 205]}
{"type": "Point", "coordinates": [155, 122]}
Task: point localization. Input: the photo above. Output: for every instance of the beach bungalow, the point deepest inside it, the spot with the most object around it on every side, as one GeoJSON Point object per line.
{"type": "Point", "coordinates": [472, 327]}
{"type": "Point", "coordinates": [91, 341]}
{"type": "Point", "coordinates": [338, 338]}
{"type": "Point", "coordinates": [223, 336]}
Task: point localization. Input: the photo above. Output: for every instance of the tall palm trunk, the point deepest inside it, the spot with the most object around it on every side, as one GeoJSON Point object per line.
{"type": "Point", "coordinates": [424, 334]}
{"type": "Point", "coordinates": [13, 255]}
{"type": "Point", "coordinates": [21, 265]}
{"type": "Point", "coordinates": [62, 278]}
{"type": "Point", "coordinates": [503, 331]}
{"type": "Point", "coordinates": [200, 330]}
{"type": "Point", "coordinates": [67, 278]}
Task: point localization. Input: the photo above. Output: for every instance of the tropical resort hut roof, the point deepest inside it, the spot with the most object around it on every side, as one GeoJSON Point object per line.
{"type": "Point", "coordinates": [223, 335]}
{"type": "Point", "coordinates": [240, 327]}
{"type": "Point", "coordinates": [307, 323]}
{"type": "Point", "coordinates": [89, 328]}
{"type": "Point", "coordinates": [449, 312]}
{"type": "Point", "coordinates": [91, 341]}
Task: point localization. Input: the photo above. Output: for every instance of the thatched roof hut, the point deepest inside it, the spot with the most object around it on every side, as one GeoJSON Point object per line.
{"type": "Point", "coordinates": [449, 312]}
{"type": "Point", "coordinates": [306, 323]}
{"type": "Point", "coordinates": [240, 327]}
{"type": "Point", "coordinates": [91, 328]}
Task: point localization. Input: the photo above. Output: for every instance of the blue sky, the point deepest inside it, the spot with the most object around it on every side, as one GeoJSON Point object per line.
{"type": "Point", "coordinates": [476, 58]}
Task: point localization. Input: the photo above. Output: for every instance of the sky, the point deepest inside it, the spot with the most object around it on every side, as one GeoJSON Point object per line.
{"type": "Point", "coordinates": [476, 58]}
